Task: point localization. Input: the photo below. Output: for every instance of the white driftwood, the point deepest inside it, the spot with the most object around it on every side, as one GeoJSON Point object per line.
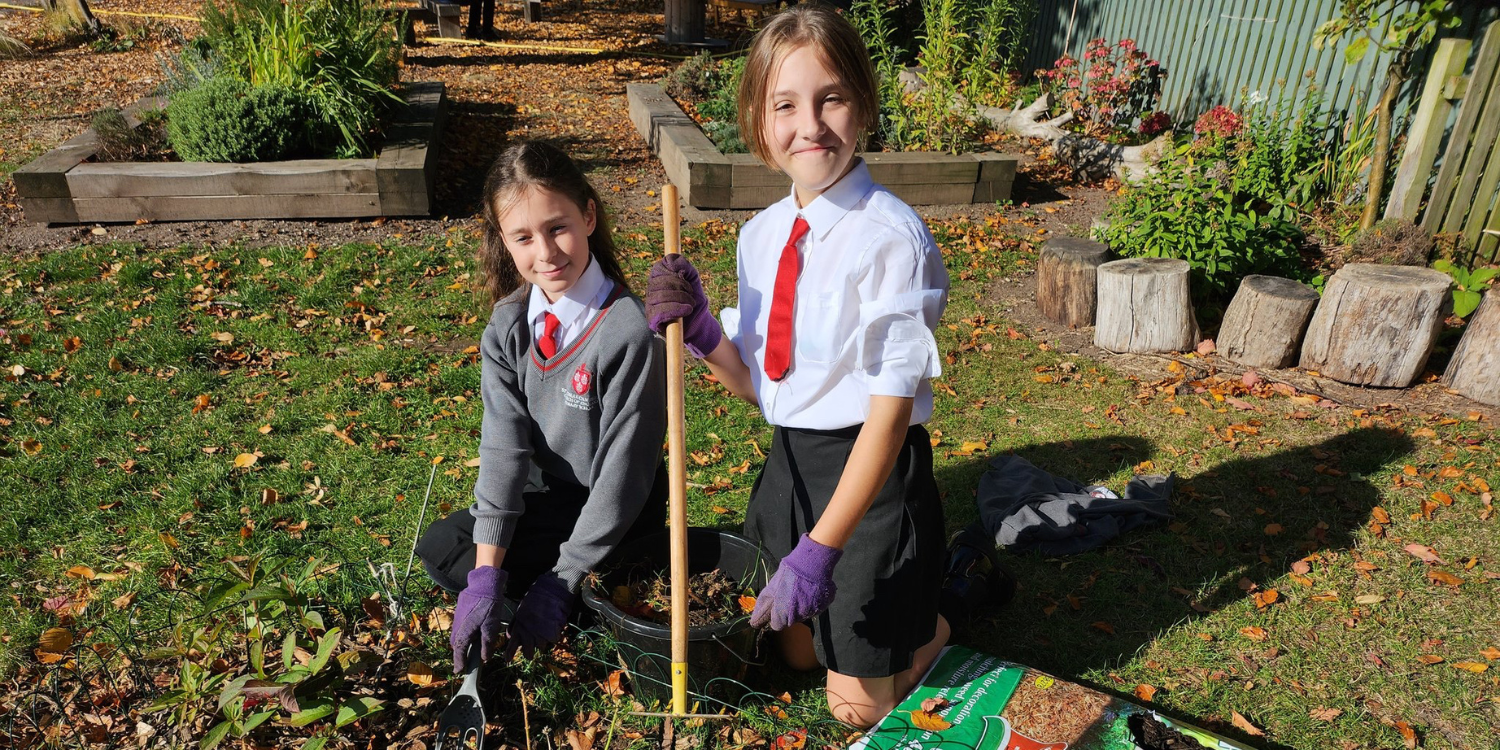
{"type": "Point", "coordinates": [1066, 281]}
{"type": "Point", "coordinates": [1474, 370]}
{"type": "Point", "coordinates": [1092, 158]}
{"type": "Point", "coordinates": [1145, 306]}
{"type": "Point", "coordinates": [1376, 324]}
{"type": "Point", "coordinates": [1264, 324]}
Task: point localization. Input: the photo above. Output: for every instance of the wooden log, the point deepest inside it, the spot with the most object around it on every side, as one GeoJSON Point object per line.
{"type": "Point", "coordinates": [1066, 282]}
{"type": "Point", "coordinates": [1376, 325]}
{"type": "Point", "coordinates": [1264, 324]}
{"type": "Point", "coordinates": [1474, 370]}
{"type": "Point", "coordinates": [1144, 305]}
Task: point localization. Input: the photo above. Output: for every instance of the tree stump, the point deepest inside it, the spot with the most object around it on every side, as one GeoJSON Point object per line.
{"type": "Point", "coordinates": [1264, 324]}
{"type": "Point", "coordinates": [1474, 370]}
{"type": "Point", "coordinates": [1144, 306]}
{"type": "Point", "coordinates": [1065, 280]}
{"type": "Point", "coordinates": [1376, 324]}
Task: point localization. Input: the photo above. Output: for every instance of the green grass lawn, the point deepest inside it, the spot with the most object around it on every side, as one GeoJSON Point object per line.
{"type": "Point", "coordinates": [167, 412]}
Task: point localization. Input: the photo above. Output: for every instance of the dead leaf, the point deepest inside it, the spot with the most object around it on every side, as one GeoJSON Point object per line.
{"type": "Point", "coordinates": [1369, 599]}
{"type": "Point", "coordinates": [81, 571]}
{"type": "Point", "coordinates": [1254, 633]}
{"type": "Point", "coordinates": [1325, 714]}
{"type": "Point", "coordinates": [612, 685]}
{"type": "Point", "coordinates": [31, 446]}
{"type": "Point", "coordinates": [1471, 666]}
{"type": "Point", "coordinates": [1244, 725]}
{"type": "Point", "coordinates": [472, 463]}
{"type": "Point", "coordinates": [1491, 653]}
{"type": "Point", "coordinates": [53, 644]}
{"type": "Point", "coordinates": [1430, 659]}
{"type": "Point", "coordinates": [1272, 529]}
{"type": "Point", "coordinates": [1266, 598]}
{"type": "Point", "coordinates": [1104, 626]}
{"type": "Point", "coordinates": [747, 604]}
{"type": "Point", "coordinates": [929, 722]}
{"type": "Point", "coordinates": [245, 460]}
{"type": "Point", "coordinates": [419, 674]}
{"type": "Point", "coordinates": [1424, 553]}
{"type": "Point", "coordinates": [1446, 579]}
{"type": "Point", "coordinates": [1145, 692]}
{"type": "Point", "coordinates": [1302, 567]}
{"type": "Point", "coordinates": [124, 600]}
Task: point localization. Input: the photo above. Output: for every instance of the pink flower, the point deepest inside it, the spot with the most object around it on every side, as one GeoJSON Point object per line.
{"type": "Point", "coordinates": [1155, 123]}
{"type": "Point", "coordinates": [1219, 122]}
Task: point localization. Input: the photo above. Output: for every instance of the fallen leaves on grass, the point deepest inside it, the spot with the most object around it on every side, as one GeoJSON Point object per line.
{"type": "Point", "coordinates": [1322, 713]}
{"type": "Point", "coordinates": [245, 460]}
{"type": "Point", "coordinates": [1244, 725]}
{"type": "Point", "coordinates": [1471, 666]}
{"type": "Point", "coordinates": [1266, 598]}
{"type": "Point", "coordinates": [53, 644]}
{"type": "Point", "coordinates": [1424, 553]}
{"type": "Point", "coordinates": [1254, 633]}
{"type": "Point", "coordinates": [1145, 692]}
{"type": "Point", "coordinates": [1444, 579]}
{"type": "Point", "coordinates": [419, 674]}
{"type": "Point", "coordinates": [1104, 626]}
{"type": "Point", "coordinates": [1430, 659]}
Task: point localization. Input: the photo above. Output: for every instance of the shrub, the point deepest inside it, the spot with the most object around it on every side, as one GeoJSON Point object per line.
{"type": "Point", "coordinates": [227, 120]}
{"type": "Point", "coordinates": [721, 105]}
{"type": "Point", "coordinates": [1109, 89]}
{"type": "Point", "coordinates": [693, 80]}
{"type": "Point", "coordinates": [339, 55]}
{"type": "Point", "coordinates": [1200, 212]}
{"type": "Point", "coordinates": [118, 141]}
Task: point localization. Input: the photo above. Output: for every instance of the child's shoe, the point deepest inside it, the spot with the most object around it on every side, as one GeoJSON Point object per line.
{"type": "Point", "coordinates": [973, 577]}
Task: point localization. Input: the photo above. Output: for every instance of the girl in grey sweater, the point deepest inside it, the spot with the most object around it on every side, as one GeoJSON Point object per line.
{"type": "Point", "coordinates": [574, 412]}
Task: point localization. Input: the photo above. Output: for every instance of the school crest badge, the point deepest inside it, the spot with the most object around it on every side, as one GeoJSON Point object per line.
{"type": "Point", "coordinates": [581, 380]}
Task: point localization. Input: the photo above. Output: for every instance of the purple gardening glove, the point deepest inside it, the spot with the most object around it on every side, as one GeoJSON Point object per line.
{"type": "Point", "coordinates": [477, 615]}
{"type": "Point", "coordinates": [540, 618]}
{"type": "Point", "coordinates": [674, 291]}
{"type": "Point", "coordinates": [802, 587]}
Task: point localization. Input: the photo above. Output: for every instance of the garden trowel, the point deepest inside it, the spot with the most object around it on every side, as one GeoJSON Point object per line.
{"type": "Point", "coordinates": [461, 727]}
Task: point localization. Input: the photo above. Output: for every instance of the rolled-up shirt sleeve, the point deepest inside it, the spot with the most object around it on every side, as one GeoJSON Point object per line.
{"type": "Point", "coordinates": [902, 298]}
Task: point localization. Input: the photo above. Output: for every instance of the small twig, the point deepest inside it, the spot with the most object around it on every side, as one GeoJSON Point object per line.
{"type": "Point", "coordinates": [525, 714]}
{"type": "Point", "coordinates": [665, 715]}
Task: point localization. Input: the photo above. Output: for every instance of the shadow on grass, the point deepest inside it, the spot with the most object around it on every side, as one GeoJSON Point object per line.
{"type": "Point", "coordinates": [1237, 529]}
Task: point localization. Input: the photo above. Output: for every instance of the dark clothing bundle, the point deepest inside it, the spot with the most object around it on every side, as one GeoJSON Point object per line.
{"type": "Point", "coordinates": [1025, 508]}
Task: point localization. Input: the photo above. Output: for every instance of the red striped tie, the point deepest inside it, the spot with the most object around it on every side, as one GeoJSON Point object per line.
{"type": "Point", "coordinates": [779, 327]}
{"type": "Point", "coordinates": [547, 344]}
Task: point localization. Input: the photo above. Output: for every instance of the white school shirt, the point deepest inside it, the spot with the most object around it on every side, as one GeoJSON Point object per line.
{"type": "Point", "coordinates": [573, 308]}
{"type": "Point", "coordinates": [870, 291]}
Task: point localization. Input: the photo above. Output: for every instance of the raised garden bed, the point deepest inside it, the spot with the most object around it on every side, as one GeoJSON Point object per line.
{"type": "Point", "coordinates": [63, 187]}
{"type": "Point", "coordinates": [710, 178]}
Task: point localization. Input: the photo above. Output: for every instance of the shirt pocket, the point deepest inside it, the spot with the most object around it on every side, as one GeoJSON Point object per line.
{"type": "Point", "coordinates": [820, 330]}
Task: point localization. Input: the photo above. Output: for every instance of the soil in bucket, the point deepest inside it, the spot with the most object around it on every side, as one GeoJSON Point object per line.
{"type": "Point", "coordinates": [721, 644]}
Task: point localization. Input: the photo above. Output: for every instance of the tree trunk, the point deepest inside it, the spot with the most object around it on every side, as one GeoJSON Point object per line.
{"type": "Point", "coordinates": [684, 21]}
{"type": "Point", "coordinates": [1380, 159]}
{"type": "Point", "coordinates": [1376, 325]}
{"type": "Point", "coordinates": [1066, 280]}
{"type": "Point", "coordinates": [1264, 324]}
{"type": "Point", "coordinates": [1475, 368]}
{"type": "Point", "coordinates": [1145, 306]}
{"type": "Point", "coordinates": [76, 11]}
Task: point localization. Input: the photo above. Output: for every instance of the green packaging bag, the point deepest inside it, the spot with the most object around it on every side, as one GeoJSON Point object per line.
{"type": "Point", "coordinates": [980, 702]}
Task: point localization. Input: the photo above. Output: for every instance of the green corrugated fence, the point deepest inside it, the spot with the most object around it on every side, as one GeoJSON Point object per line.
{"type": "Point", "coordinates": [1214, 49]}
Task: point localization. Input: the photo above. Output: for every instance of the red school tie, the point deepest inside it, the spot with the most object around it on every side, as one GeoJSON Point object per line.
{"type": "Point", "coordinates": [779, 327]}
{"type": "Point", "coordinates": [547, 344]}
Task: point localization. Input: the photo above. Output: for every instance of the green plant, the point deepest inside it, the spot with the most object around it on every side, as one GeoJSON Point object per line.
{"type": "Point", "coordinates": [118, 141]}
{"type": "Point", "coordinates": [1109, 89]}
{"type": "Point", "coordinates": [273, 609]}
{"type": "Point", "coordinates": [12, 47]}
{"type": "Point", "coordinates": [1469, 285]}
{"type": "Point", "coordinates": [1201, 212]}
{"type": "Point", "coordinates": [721, 105]}
{"type": "Point", "coordinates": [227, 120]}
{"type": "Point", "coordinates": [694, 79]}
{"type": "Point", "coordinates": [339, 55]}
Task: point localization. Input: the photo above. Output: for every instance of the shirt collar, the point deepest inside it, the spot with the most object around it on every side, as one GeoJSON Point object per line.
{"type": "Point", "coordinates": [575, 304]}
{"type": "Point", "coordinates": [825, 211]}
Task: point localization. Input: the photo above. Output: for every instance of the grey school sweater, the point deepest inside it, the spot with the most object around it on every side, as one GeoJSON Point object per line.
{"type": "Point", "coordinates": [593, 415]}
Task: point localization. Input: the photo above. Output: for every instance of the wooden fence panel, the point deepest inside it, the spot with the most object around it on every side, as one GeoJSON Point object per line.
{"type": "Point", "coordinates": [1465, 189]}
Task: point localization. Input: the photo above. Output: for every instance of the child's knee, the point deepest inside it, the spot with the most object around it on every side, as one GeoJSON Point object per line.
{"type": "Point", "coordinates": [797, 647]}
{"type": "Point", "coordinates": [860, 702]}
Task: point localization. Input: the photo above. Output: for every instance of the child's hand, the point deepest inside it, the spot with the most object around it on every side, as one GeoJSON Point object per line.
{"type": "Point", "coordinates": [801, 588]}
{"type": "Point", "coordinates": [540, 619]}
{"type": "Point", "coordinates": [477, 616]}
{"type": "Point", "coordinates": [674, 291]}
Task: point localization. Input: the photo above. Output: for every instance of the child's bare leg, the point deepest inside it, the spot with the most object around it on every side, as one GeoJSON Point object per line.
{"type": "Point", "coordinates": [797, 647]}
{"type": "Point", "coordinates": [862, 701]}
{"type": "Point", "coordinates": [923, 659]}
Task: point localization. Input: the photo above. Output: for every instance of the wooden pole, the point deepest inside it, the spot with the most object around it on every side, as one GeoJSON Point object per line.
{"type": "Point", "coordinates": [677, 475]}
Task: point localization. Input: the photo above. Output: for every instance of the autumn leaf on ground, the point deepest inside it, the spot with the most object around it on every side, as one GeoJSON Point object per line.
{"type": "Point", "coordinates": [1145, 692]}
{"type": "Point", "coordinates": [1325, 714]}
{"type": "Point", "coordinates": [1408, 735]}
{"type": "Point", "coordinates": [747, 604]}
{"type": "Point", "coordinates": [1430, 659]}
{"type": "Point", "coordinates": [1254, 633]}
{"type": "Point", "coordinates": [53, 644]}
{"type": "Point", "coordinates": [612, 685]}
{"type": "Point", "coordinates": [1266, 598]}
{"type": "Point", "coordinates": [1244, 725]}
{"type": "Point", "coordinates": [1491, 653]}
{"type": "Point", "coordinates": [419, 674]}
{"type": "Point", "coordinates": [1446, 579]}
{"type": "Point", "coordinates": [245, 460]}
{"type": "Point", "coordinates": [1369, 599]}
{"type": "Point", "coordinates": [1104, 626]}
{"type": "Point", "coordinates": [1471, 666]}
{"type": "Point", "coordinates": [1424, 553]}
{"type": "Point", "coordinates": [81, 571]}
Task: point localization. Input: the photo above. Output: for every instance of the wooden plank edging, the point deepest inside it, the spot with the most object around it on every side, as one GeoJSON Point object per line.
{"type": "Point", "coordinates": [709, 178]}
{"type": "Point", "coordinates": [61, 186]}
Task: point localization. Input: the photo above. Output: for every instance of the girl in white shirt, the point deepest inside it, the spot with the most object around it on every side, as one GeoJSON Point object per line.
{"type": "Point", "coordinates": [840, 288]}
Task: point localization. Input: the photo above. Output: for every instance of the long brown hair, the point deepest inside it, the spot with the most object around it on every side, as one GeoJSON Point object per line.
{"type": "Point", "coordinates": [836, 41]}
{"type": "Point", "coordinates": [536, 164]}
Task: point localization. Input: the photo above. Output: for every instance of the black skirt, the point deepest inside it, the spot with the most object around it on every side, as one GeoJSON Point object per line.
{"type": "Point", "coordinates": [887, 581]}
